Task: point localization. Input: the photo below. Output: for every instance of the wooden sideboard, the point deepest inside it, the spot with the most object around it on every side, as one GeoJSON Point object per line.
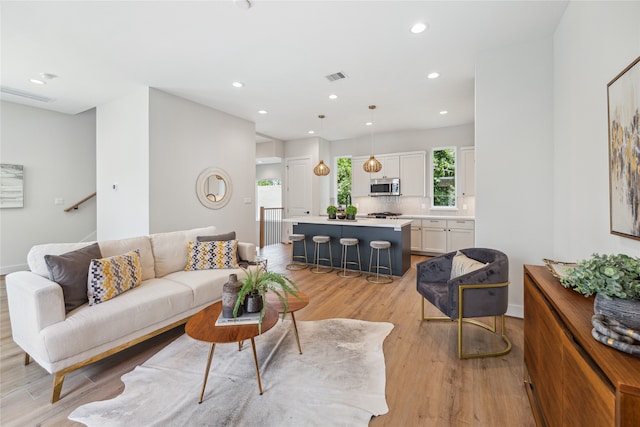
{"type": "Point", "coordinates": [573, 380]}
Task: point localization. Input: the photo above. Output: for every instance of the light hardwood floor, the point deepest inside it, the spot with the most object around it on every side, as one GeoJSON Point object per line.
{"type": "Point", "coordinates": [426, 383]}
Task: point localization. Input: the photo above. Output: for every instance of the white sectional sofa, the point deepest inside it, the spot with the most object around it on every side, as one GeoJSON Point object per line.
{"type": "Point", "coordinates": [62, 342]}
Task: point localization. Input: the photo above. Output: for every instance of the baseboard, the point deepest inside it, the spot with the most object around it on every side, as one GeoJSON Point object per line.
{"type": "Point", "coordinates": [515, 311]}
{"type": "Point", "coordinates": [11, 268]}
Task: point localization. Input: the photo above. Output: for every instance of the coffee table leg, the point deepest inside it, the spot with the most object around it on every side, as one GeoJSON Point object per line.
{"type": "Point", "coordinates": [255, 359]}
{"type": "Point", "coordinates": [295, 327]}
{"type": "Point", "coordinates": [206, 372]}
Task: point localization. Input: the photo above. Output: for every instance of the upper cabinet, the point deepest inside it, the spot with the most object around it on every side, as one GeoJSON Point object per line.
{"type": "Point", "coordinates": [359, 178]}
{"type": "Point", "coordinates": [468, 171]}
{"type": "Point", "coordinates": [412, 174]}
{"type": "Point", "coordinates": [409, 167]}
{"type": "Point", "coordinates": [390, 166]}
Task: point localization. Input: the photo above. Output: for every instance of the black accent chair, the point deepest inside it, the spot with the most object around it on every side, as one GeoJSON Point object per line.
{"type": "Point", "coordinates": [479, 293]}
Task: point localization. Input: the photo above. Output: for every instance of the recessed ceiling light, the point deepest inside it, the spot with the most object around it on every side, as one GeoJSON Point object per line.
{"type": "Point", "coordinates": [262, 111]}
{"type": "Point", "coordinates": [38, 81]}
{"type": "Point", "coordinates": [433, 75]}
{"type": "Point", "coordinates": [237, 84]}
{"type": "Point", "coordinates": [311, 132]}
{"type": "Point", "coordinates": [333, 96]}
{"type": "Point", "coordinates": [443, 112]}
{"type": "Point", "coordinates": [418, 27]}
{"type": "Point", "coordinates": [368, 123]}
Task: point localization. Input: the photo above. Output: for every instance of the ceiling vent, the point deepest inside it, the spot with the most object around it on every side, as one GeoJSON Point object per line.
{"type": "Point", "coordinates": [336, 76]}
{"type": "Point", "coordinates": [23, 94]}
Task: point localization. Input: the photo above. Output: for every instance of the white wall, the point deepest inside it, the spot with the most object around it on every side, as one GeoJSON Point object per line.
{"type": "Point", "coordinates": [58, 152]}
{"type": "Point", "coordinates": [592, 44]}
{"type": "Point", "coordinates": [185, 139]}
{"type": "Point", "coordinates": [123, 158]}
{"type": "Point", "coordinates": [310, 148]}
{"type": "Point", "coordinates": [514, 156]}
{"type": "Point", "coordinates": [269, 171]}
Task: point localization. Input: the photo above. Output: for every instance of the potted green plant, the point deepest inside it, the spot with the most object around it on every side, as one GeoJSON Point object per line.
{"type": "Point", "coordinates": [254, 290]}
{"type": "Point", "coordinates": [332, 211]}
{"type": "Point", "coordinates": [615, 280]}
{"type": "Point", "coordinates": [351, 212]}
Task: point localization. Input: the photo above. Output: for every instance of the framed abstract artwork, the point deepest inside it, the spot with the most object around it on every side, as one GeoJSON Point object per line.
{"type": "Point", "coordinates": [623, 98]}
{"type": "Point", "coordinates": [11, 186]}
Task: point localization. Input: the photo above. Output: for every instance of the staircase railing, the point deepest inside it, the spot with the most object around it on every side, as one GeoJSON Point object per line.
{"type": "Point", "coordinates": [75, 206]}
{"type": "Point", "coordinates": [270, 226]}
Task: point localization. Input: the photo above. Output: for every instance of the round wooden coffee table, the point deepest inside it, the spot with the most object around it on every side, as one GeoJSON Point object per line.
{"type": "Point", "coordinates": [202, 327]}
{"type": "Point", "coordinates": [294, 304]}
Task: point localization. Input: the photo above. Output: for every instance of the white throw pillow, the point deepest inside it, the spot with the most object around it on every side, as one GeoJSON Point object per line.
{"type": "Point", "coordinates": [462, 264]}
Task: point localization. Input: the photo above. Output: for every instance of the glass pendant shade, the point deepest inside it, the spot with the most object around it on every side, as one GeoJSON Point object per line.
{"type": "Point", "coordinates": [321, 169]}
{"type": "Point", "coordinates": [372, 165]}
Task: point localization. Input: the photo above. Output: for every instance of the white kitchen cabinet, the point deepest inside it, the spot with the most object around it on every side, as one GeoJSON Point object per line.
{"type": "Point", "coordinates": [434, 236]}
{"type": "Point", "coordinates": [390, 167]}
{"type": "Point", "coordinates": [439, 236]}
{"type": "Point", "coordinates": [412, 174]}
{"type": "Point", "coordinates": [468, 171]}
{"type": "Point", "coordinates": [359, 178]}
{"type": "Point", "coordinates": [416, 235]}
{"type": "Point", "coordinates": [460, 234]}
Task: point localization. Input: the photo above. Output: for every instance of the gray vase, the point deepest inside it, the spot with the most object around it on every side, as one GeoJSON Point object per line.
{"type": "Point", "coordinates": [625, 311]}
{"type": "Point", "coordinates": [230, 292]}
{"type": "Point", "coordinates": [253, 303]}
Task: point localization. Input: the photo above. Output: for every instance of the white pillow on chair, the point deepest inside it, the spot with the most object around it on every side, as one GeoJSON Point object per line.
{"type": "Point", "coordinates": [462, 264]}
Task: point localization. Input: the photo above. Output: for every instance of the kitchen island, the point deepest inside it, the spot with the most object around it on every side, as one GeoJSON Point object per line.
{"type": "Point", "coordinates": [395, 231]}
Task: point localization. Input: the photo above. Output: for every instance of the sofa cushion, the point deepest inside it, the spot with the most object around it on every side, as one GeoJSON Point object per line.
{"type": "Point", "coordinates": [70, 270]}
{"type": "Point", "coordinates": [170, 249]}
{"type": "Point", "coordinates": [35, 257]}
{"type": "Point", "coordinates": [111, 248]}
{"type": "Point", "coordinates": [110, 277]}
{"type": "Point", "coordinates": [212, 255]}
{"type": "Point", "coordinates": [88, 327]}
{"type": "Point", "coordinates": [206, 285]}
{"type": "Point", "coordinates": [462, 264]}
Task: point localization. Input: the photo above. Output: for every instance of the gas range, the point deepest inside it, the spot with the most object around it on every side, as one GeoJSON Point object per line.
{"type": "Point", "coordinates": [389, 215]}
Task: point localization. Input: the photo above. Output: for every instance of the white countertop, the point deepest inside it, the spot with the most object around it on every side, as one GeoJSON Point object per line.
{"type": "Point", "coordinates": [359, 222]}
{"type": "Point", "coordinates": [453, 217]}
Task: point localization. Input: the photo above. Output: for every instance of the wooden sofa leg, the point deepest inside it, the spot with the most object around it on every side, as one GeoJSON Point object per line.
{"type": "Point", "coordinates": [27, 359]}
{"type": "Point", "coordinates": [58, 379]}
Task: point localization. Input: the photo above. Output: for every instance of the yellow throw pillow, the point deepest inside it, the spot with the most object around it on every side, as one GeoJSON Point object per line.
{"type": "Point", "coordinates": [462, 264]}
{"type": "Point", "coordinates": [212, 255]}
{"type": "Point", "coordinates": [109, 277]}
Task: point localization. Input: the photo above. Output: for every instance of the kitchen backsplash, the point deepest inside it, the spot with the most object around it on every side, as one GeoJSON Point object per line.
{"type": "Point", "coordinates": [412, 205]}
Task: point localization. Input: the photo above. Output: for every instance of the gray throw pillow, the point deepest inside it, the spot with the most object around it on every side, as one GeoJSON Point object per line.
{"type": "Point", "coordinates": [220, 238]}
{"type": "Point", "coordinates": [70, 271]}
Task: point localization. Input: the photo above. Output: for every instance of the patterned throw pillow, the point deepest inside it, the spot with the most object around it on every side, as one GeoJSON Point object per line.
{"type": "Point", "coordinates": [212, 255]}
{"type": "Point", "coordinates": [109, 277]}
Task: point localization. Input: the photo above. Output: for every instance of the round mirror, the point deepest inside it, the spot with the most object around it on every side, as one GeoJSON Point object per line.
{"type": "Point", "coordinates": [213, 188]}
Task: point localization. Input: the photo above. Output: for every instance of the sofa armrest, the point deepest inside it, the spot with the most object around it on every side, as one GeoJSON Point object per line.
{"type": "Point", "coordinates": [247, 251]}
{"type": "Point", "coordinates": [34, 303]}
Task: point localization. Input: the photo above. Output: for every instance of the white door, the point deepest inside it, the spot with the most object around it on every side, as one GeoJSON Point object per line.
{"type": "Point", "coordinates": [298, 175]}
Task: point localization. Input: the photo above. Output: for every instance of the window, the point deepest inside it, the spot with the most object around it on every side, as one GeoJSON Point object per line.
{"type": "Point", "coordinates": [443, 172]}
{"type": "Point", "coordinates": [343, 184]}
{"type": "Point", "coordinates": [268, 194]}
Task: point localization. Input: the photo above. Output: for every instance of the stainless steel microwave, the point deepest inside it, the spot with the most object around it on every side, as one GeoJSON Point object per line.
{"type": "Point", "coordinates": [385, 187]}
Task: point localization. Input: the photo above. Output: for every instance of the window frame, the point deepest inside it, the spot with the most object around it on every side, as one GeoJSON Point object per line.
{"type": "Point", "coordinates": [454, 148]}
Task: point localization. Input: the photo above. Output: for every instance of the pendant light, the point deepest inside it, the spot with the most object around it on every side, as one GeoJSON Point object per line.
{"type": "Point", "coordinates": [321, 169]}
{"type": "Point", "coordinates": [372, 165]}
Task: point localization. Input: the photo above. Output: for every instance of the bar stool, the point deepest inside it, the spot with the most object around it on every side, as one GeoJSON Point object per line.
{"type": "Point", "coordinates": [346, 242]}
{"type": "Point", "coordinates": [297, 265]}
{"type": "Point", "coordinates": [321, 269]}
{"type": "Point", "coordinates": [379, 278]}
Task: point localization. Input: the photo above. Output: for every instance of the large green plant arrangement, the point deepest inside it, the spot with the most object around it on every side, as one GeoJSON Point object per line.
{"type": "Point", "coordinates": [259, 281]}
{"type": "Point", "coordinates": [608, 275]}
